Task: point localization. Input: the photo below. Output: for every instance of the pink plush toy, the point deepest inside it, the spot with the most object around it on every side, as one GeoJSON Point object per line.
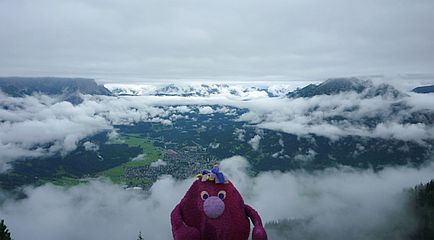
{"type": "Point", "coordinates": [213, 209]}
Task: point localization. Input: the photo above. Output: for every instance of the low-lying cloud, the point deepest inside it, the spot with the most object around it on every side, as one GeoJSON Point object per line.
{"type": "Point", "coordinates": [35, 126]}
{"type": "Point", "coordinates": [40, 125]}
{"type": "Point", "coordinates": [336, 204]}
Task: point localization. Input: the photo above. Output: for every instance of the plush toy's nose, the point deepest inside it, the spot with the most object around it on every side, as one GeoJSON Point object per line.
{"type": "Point", "coordinates": [213, 207]}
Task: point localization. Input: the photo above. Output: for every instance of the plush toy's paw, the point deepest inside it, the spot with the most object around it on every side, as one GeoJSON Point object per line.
{"type": "Point", "coordinates": [186, 233]}
{"type": "Point", "coordinates": [259, 233]}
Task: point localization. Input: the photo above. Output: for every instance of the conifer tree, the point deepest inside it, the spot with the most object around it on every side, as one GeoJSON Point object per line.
{"type": "Point", "coordinates": [423, 205]}
{"type": "Point", "coordinates": [4, 232]}
{"type": "Point", "coordinates": [140, 236]}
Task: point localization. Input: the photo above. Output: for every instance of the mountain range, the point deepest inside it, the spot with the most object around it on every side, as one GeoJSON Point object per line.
{"type": "Point", "coordinates": [340, 85]}
{"type": "Point", "coordinates": [68, 89]}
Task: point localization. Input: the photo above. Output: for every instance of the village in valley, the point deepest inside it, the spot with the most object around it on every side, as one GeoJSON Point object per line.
{"type": "Point", "coordinates": [180, 163]}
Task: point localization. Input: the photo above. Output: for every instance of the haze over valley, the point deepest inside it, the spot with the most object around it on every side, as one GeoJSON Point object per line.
{"type": "Point", "coordinates": [326, 148]}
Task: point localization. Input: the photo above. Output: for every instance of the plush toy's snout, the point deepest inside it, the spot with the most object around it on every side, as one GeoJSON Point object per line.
{"type": "Point", "coordinates": [213, 207]}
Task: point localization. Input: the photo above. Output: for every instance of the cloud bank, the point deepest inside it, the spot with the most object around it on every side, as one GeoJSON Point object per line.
{"type": "Point", "coordinates": [40, 125]}
{"type": "Point", "coordinates": [35, 126]}
{"type": "Point", "coordinates": [337, 203]}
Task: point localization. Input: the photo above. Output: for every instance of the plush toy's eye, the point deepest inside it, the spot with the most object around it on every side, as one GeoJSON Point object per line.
{"type": "Point", "coordinates": [222, 194]}
{"type": "Point", "coordinates": [204, 195]}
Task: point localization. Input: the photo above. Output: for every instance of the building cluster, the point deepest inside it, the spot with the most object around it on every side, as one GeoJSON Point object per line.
{"type": "Point", "coordinates": [180, 163]}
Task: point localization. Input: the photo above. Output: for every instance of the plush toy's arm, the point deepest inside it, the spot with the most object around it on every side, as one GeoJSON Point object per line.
{"type": "Point", "coordinates": [258, 230]}
{"type": "Point", "coordinates": [180, 230]}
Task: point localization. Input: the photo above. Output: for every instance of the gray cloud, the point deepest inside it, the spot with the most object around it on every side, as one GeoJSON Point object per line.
{"type": "Point", "coordinates": [225, 40]}
{"type": "Point", "coordinates": [340, 204]}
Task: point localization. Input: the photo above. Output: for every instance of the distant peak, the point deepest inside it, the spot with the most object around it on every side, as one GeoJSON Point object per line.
{"type": "Point", "coordinates": [338, 85]}
{"type": "Point", "coordinates": [69, 88]}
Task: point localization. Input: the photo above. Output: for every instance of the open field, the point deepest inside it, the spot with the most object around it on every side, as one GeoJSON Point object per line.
{"type": "Point", "coordinates": [150, 153]}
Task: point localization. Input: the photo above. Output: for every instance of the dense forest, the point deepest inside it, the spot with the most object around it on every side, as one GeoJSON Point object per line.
{"type": "Point", "coordinates": [422, 200]}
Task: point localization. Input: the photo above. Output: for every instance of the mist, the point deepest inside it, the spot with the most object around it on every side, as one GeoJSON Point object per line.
{"type": "Point", "coordinates": [40, 125]}
{"type": "Point", "coordinates": [335, 203]}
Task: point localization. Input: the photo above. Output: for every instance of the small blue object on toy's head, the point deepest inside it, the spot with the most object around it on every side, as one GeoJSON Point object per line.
{"type": "Point", "coordinates": [220, 178]}
{"type": "Point", "coordinates": [213, 175]}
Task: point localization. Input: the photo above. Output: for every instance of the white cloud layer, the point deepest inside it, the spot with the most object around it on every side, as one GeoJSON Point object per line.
{"type": "Point", "coordinates": [158, 163]}
{"type": "Point", "coordinates": [340, 204]}
{"type": "Point", "coordinates": [206, 110]}
{"type": "Point", "coordinates": [254, 142]}
{"type": "Point", "coordinates": [39, 125]}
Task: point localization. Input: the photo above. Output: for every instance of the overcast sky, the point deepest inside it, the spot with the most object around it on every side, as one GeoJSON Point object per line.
{"type": "Point", "coordinates": [196, 39]}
